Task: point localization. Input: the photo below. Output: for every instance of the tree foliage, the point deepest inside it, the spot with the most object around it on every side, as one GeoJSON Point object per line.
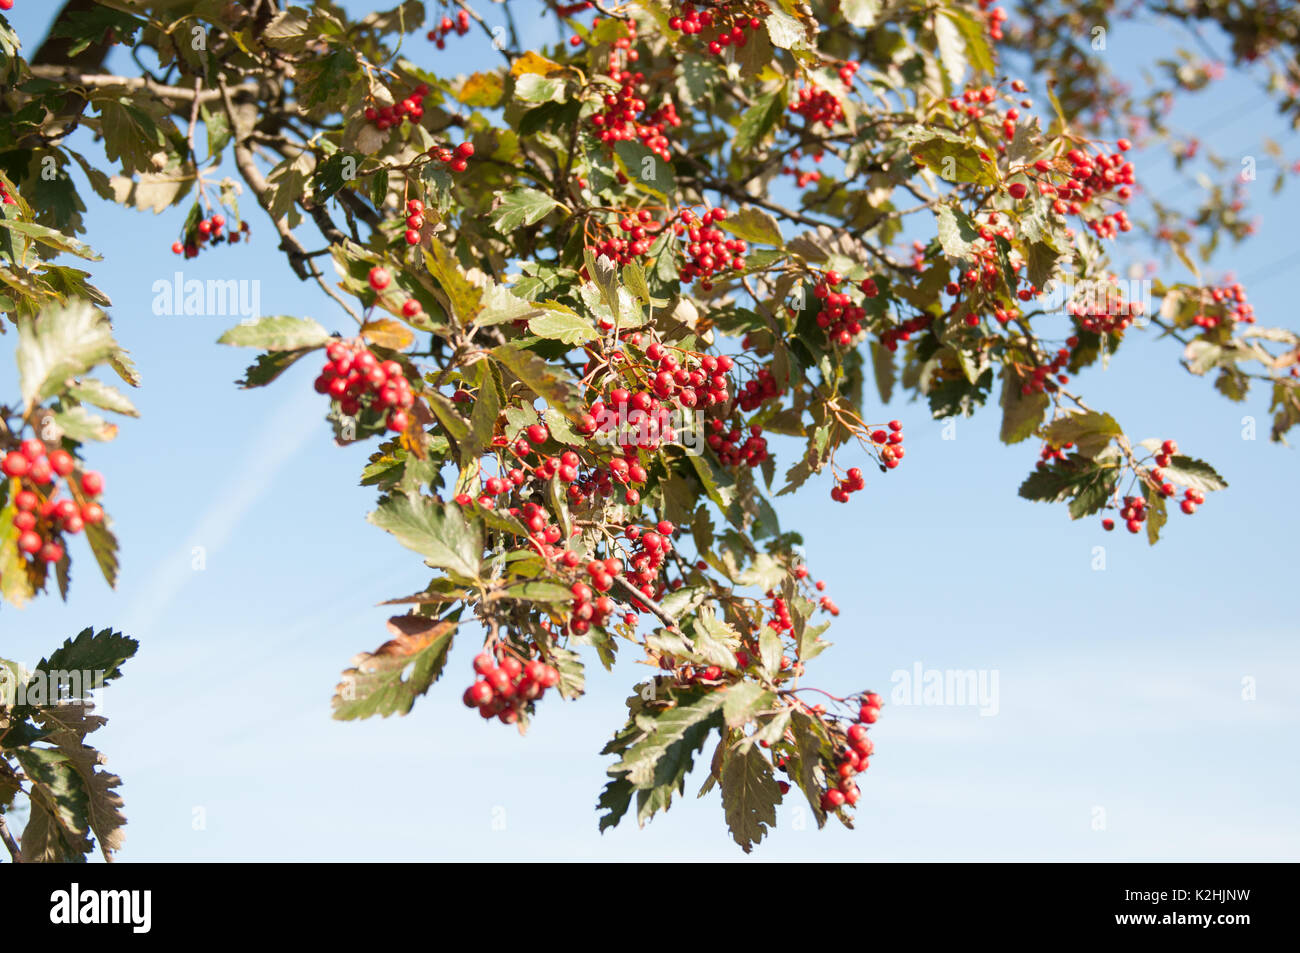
{"type": "Point", "coordinates": [577, 304]}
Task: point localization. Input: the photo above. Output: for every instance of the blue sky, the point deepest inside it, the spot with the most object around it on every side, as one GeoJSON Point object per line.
{"type": "Point", "coordinates": [1121, 731]}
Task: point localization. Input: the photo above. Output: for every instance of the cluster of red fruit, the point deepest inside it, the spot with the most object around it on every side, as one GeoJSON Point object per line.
{"type": "Point", "coordinates": [996, 17]}
{"type": "Point", "coordinates": [838, 316]}
{"type": "Point", "coordinates": [1231, 301]}
{"type": "Point", "coordinates": [732, 25]}
{"type": "Point", "coordinates": [1046, 377]}
{"type": "Point", "coordinates": [588, 608]}
{"type": "Point", "coordinates": [459, 26]}
{"type": "Point", "coordinates": [456, 159]}
{"type": "Point", "coordinates": [414, 221]}
{"type": "Point", "coordinates": [621, 118]}
{"type": "Point", "coordinates": [708, 250]}
{"type": "Point", "coordinates": [731, 451]}
{"type": "Point", "coordinates": [890, 337]}
{"type": "Point", "coordinates": [1104, 314]}
{"type": "Point", "coordinates": [411, 108]}
{"type": "Point", "coordinates": [355, 377]}
{"type": "Point", "coordinates": [818, 106]}
{"type": "Point", "coordinates": [640, 231]}
{"type": "Point", "coordinates": [502, 691]}
{"type": "Point", "coordinates": [210, 230]}
{"type": "Point", "coordinates": [853, 757]}
{"type": "Point", "coordinates": [5, 197]}
{"type": "Point", "coordinates": [40, 522]}
{"type": "Point", "coordinates": [1090, 177]}
{"type": "Point", "coordinates": [802, 177]}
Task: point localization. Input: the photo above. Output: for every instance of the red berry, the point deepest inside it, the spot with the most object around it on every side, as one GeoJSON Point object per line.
{"type": "Point", "coordinates": [380, 278]}
{"type": "Point", "coordinates": [61, 462]}
{"type": "Point", "coordinates": [15, 464]}
{"type": "Point", "coordinates": [92, 483]}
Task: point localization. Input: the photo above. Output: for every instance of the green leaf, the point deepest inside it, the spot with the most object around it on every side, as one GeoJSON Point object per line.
{"type": "Point", "coordinates": [882, 362]}
{"type": "Point", "coordinates": [50, 238]}
{"type": "Point", "coordinates": [647, 171]}
{"type": "Point", "coordinates": [62, 342]}
{"type": "Point", "coordinates": [811, 749]}
{"type": "Point", "coordinates": [81, 425]}
{"type": "Point", "coordinates": [661, 730]}
{"type": "Point", "coordinates": [91, 391]}
{"type": "Point", "coordinates": [754, 225]}
{"type": "Point", "coordinates": [103, 545]}
{"type": "Point", "coordinates": [532, 88]}
{"type": "Point", "coordinates": [759, 120]}
{"type": "Point", "coordinates": [1194, 474]}
{"type": "Point", "coordinates": [520, 207]}
{"type": "Point", "coordinates": [1021, 413]}
{"type": "Point", "coordinates": [90, 651]}
{"type": "Point", "coordinates": [269, 366]}
{"type": "Point", "coordinates": [57, 827]}
{"type": "Point", "coordinates": [1086, 483]}
{"type": "Point", "coordinates": [542, 378]}
{"type": "Point", "coordinates": [745, 700]}
{"type": "Point", "coordinates": [716, 642]}
{"type": "Point", "coordinates": [949, 156]}
{"type": "Point", "coordinates": [1157, 517]}
{"type": "Point", "coordinates": [1090, 432]}
{"type": "Point", "coordinates": [749, 795]}
{"type": "Point", "coordinates": [278, 333]}
{"type": "Point", "coordinates": [956, 232]}
{"type": "Point", "coordinates": [566, 326]}
{"type": "Point", "coordinates": [437, 531]}
{"type": "Point", "coordinates": [389, 680]}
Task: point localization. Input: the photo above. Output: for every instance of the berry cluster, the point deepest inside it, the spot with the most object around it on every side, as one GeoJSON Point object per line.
{"type": "Point", "coordinates": [818, 106]}
{"type": "Point", "coordinates": [5, 197]}
{"type": "Point", "coordinates": [456, 159]}
{"type": "Point", "coordinates": [1091, 177]}
{"type": "Point", "coordinates": [1046, 377]}
{"type": "Point", "coordinates": [1104, 313]}
{"type": "Point", "coordinates": [708, 250]}
{"type": "Point", "coordinates": [502, 691]}
{"type": "Point", "coordinates": [414, 221]}
{"type": "Point", "coordinates": [731, 451]}
{"type": "Point", "coordinates": [996, 17]}
{"type": "Point", "coordinates": [358, 380]}
{"type": "Point", "coordinates": [852, 757]}
{"type": "Point", "coordinates": [411, 108]}
{"type": "Point", "coordinates": [207, 231]}
{"type": "Point", "coordinates": [639, 231]}
{"type": "Point", "coordinates": [1230, 301]}
{"type": "Point", "coordinates": [802, 177]}
{"type": "Point", "coordinates": [446, 26]}
{"type": "Point", "coordinates": [622, 118]}
{"type": "Point", "coordinates": [41, 521]}
{"type": "Point", "coordinates": [588, 608]}
{"type": "Point", "coordinates": [903, 332]}
{"type": "Point", "coordinates": [732, 28]}
{"type": "Point", "coordinates": [838, 316]}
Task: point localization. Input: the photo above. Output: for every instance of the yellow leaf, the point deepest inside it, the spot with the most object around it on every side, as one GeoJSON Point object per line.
{"type": "Point", "coordinates": [482, 89]}
{"type": "Point", "coordinates": [388, 333]}
{"type": "Point", "coordinates": [532, 62]}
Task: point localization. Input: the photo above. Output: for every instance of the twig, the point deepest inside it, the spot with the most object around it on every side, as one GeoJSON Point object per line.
{"type": "Point", "coordinates": [10, 843]}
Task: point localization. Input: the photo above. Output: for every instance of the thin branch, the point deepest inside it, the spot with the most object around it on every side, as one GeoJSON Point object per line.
{"type": "Point", "coordinates": [10, 843]}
